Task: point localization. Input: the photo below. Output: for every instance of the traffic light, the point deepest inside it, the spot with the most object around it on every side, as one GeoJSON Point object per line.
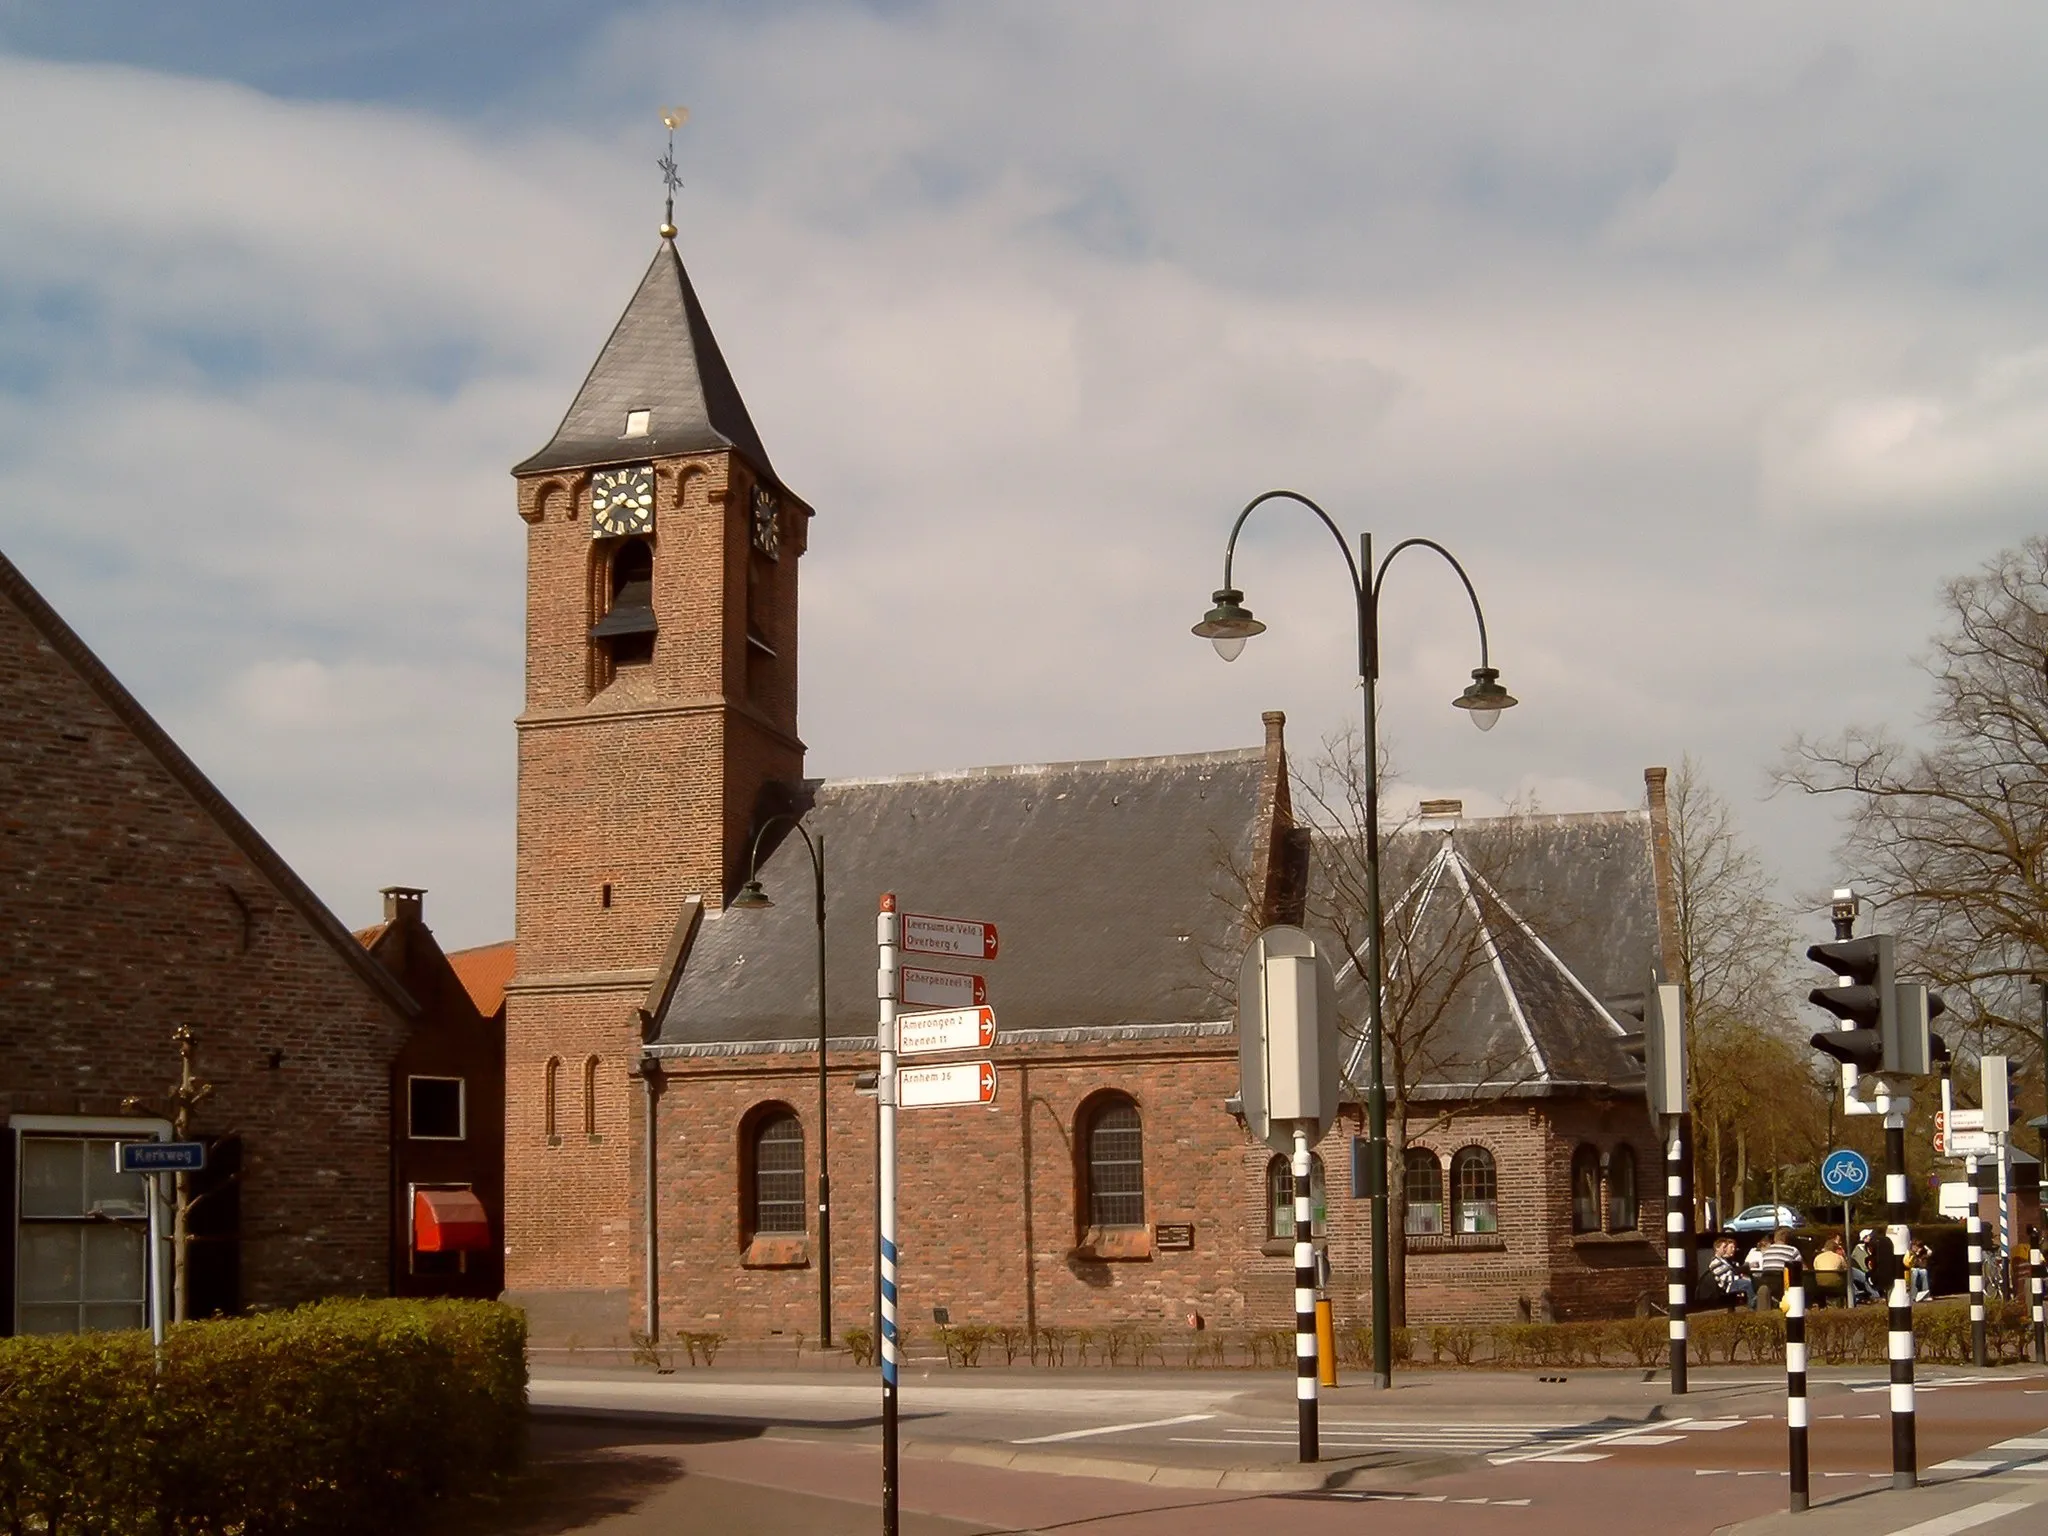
{"type": "Point", "coordinates": [1661, 1046]}
{"type": "Point", "coordinates": [1995, 1092]}
{"type": "Point", "coordinates": [1864, 1001]}
{"type": "Point", "coordinates": [1889, 1018]}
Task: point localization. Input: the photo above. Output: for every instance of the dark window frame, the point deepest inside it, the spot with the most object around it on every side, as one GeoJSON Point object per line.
{"type": "Point", "coordinates": [775, 1193]}
{"type": "Point", "coordinates": [1106, 1201]}
{"type": "Point", "coordinates": [412, 1117]}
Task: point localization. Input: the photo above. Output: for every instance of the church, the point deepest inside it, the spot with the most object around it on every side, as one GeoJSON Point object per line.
{"type": "Point", "coordinates": [690, 1116]}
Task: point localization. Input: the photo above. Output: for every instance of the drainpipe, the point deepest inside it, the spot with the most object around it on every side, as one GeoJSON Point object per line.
{"type": "Point", "coordinates": [650, 1081]}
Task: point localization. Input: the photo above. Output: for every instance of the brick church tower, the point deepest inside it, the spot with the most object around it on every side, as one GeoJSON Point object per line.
{"type": "Point", "coordinates": [661, 678]}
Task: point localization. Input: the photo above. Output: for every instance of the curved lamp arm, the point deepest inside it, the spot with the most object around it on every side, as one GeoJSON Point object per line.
{"type": "Point", "coordinates": [751, 893]}
{"type": "Point", "coordinates": [1380, 577]}
{"type": "Point", "coordinates": [1230, 548]}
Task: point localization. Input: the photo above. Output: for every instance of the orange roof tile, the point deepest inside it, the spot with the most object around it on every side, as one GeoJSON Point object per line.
{"type": "Point", "coordinates": [484, 972]}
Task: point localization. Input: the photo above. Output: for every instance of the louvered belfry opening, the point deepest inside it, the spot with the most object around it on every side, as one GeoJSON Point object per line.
{"type": "Point", "coordinates": [628, 626]}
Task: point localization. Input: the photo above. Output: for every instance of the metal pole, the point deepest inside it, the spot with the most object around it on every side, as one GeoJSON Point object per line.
{"type": "Point", "coordinates": [824, 1124]}
{"type": "Point", "coordinates": [2038, 1284]}
{"type": "Point", "coordinates": [1975, 1227]}
{"type": "Point", "coordinates": [1848, 1247]}
{"type": "Point", "coordinates": [2006, 1273]}
{"type": "Point", "coordinates": [1795, 1379]}
{"type": "Point", "coordinates": [1678, 1250]}
{"type": "Point", "coordinates": [1304, 1298]}
{"type": "Point", "coordinates": [1376, 1095]}
{"type": "Point", "coordinates": [1905, 1450]}
{"type": "Point", "coordinates": [885, 1087]}
{"type": "Point", "coordinates": [155, 1182]}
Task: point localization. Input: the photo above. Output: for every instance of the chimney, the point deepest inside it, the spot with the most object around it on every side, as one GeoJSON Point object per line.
{"type": "Point", "coordinates": [402, 903]}
{"type": "Point", "coordinates": [1441, 815]}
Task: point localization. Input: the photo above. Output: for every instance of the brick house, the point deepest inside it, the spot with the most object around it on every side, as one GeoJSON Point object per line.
{"type": "Point", "coordinates": [448, 1115]}
{"type": "Point", "coordinates": [1109, 1179]}
{"type": "Point", "coordinates": [137, 901]}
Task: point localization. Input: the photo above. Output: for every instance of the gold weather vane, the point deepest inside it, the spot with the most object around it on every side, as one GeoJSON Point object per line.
{"type": "Point", "coordinates": [672, 118]}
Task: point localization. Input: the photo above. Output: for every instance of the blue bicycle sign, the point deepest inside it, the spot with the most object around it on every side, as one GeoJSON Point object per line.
{"type": "Point", "coordinates": [1844, 1174]}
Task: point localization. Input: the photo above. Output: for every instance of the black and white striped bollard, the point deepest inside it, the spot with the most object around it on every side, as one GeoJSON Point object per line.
{"type": "Point", "coordinates": [1678, 1250]}
{"type": "Point", "coordinates": [1975, 1225]}
{"type": "Point", "coordinates": [1795, 1379]}
{"type": "Point", "coordinates": [1899, 1321]}
{"type": "Point", "coordinates": [1304, 1300]}
{"type": "Point", "coordinates": [2037, 1284]}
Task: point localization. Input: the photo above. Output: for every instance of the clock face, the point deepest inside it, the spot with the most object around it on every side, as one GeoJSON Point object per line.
{"type": "Point", "coordinates": [622, 501]}
{"type": "Point", "coordinates": [767, 523]}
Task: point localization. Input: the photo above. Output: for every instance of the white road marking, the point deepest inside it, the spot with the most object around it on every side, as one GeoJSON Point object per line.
{"type": "Point", "coordinates": [1113, 1429]}
{"type": "Point", "coordinates": [1963, 1519]}
{"type": "Point", "coordinates": [1561, 1456]}
{"type": "Point", "coordinates": [1552, 1454]}
{"type": "Point", "coordinates": [1651, 1440]}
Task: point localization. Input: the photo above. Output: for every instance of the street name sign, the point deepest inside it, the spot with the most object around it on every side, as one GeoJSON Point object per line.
{"type": "Point", "coordinates": [1844, 1174]}
{"type": "Point", "coordinates": [1971, 1143]}
{"type": "Point", "coordinates": [953, 1029]}
{"type": "Point", "coordinates": [162, 1156]}
{"type": "Point", "coordinates": [959, 1082]}
{"type": "Point", "coordinates": [942, 989]}
{"type": "Point", "coordinates": [955, 936]}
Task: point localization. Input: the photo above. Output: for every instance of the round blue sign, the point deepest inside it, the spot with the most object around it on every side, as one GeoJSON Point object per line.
{"type": "Point", "coordinates": [1844, 1174]}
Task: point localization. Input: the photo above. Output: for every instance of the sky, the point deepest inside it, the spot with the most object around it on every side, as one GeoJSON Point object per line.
{"type": "Point", "coordinates": [1710, 338]}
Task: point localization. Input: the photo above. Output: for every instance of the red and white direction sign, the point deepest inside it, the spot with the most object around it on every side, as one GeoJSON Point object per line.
{"type": "Point", "coordinates": [955, 1029]}
{"type": "Point", "coordinates": [954, 936]}
{"type": "Point", "coordinates": [959, 1082]}
{"type": "Point", "coordinates": [942, 989]}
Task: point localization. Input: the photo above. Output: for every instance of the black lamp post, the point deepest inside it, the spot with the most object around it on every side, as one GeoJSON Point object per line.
{"type": "Point", "coordinates": [750, 899]}
{"type": "Point", "coordinates": [1228, 625]}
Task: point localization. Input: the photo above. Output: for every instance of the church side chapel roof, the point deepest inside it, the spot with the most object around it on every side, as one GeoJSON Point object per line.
{"type": "Point", "coordinates": [1110, 884]}
{"type": "Point", "coordinates": [661, 358]}
{"type": "Point", "coordinates": [1525, 939]}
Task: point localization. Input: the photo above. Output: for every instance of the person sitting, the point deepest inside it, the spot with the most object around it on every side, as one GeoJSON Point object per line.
{"type": "Point", "coordinates": [1771, 1259]}
{"type": "Point", "coordinates": [1831, 1272]}
{"type": "Point", "coordinates": [1724, 1284]}
{"type": "Point", "coordinates": [1861, 1286]}
{"type": "Point", "coordinates": [1918, 1270]}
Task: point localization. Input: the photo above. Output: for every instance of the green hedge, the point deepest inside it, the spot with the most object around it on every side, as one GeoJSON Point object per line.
{"type": "Point", "coordinates": [343, 1416]}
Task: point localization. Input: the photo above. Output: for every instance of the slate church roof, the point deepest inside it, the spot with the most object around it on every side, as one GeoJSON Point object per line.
{"type": "Point", "coordinates": [662, 359]}
{"type": "Point", "coordinates": [1111, 885]}
{"type": "Point", "coordinates": [1541, 931]}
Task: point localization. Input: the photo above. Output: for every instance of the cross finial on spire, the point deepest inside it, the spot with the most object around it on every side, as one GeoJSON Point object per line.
{"type": "Point", "coordinates": [672, 118]}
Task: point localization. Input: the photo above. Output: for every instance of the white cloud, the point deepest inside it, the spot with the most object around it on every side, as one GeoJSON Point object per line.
{"type": "Point", "coordinates": [1028, 300]}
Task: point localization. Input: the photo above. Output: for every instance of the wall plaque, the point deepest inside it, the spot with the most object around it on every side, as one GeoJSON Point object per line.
{"type": "Point", "coordinates": [1174, 1236]}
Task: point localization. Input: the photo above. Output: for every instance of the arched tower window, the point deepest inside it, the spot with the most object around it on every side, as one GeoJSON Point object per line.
{"type": "Point", "coordinates": [1113, 1139]}
{"type": "Point", "coordinates": [1621, 1190]}
{"type": "Point", "coordinates": [1280, 1198]}
{"type": "Point", "coordinates": [1586, 1190]}
{"type": "Point", "coordinates": [549, 1086]}
{"type": "Point", "coordinates": [590, 1096]}
{"type": "Point", "coordinates": [775, 1147]}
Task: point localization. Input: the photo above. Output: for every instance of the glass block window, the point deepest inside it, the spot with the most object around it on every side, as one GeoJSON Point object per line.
{"type": "Point", "coordinates": [1422, 1181]}
{"type": "Point", "coordinates": [1621, 1190]}
{"type": "Point", "coordinates": [779, 1173]}
{"type": "Point", "coordinates": [83, 1257]}
{"type": "Point", "coordinates": [1280, 1198]}
{"type": "Point", "coordinates": [1585, 1190]}
{"type": "Point", "coordinates": [1116, 1166]}
{"type": "Point", "coordinates": [1472, 1174]}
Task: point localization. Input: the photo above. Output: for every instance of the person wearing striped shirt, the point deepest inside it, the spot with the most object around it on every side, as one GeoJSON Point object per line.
{"type": "Point", "coordinates": [1771, 1259]}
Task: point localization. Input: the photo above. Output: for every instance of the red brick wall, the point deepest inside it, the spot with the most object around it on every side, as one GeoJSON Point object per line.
{"type": "Point", "coordinates": [962, 1196]}
{"type": "Point", "coordinates": [128, 911]}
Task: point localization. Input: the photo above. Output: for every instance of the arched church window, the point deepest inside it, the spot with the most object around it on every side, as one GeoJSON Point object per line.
{"type": "Point", "coordinates": [1621, 1190]}
{"type": "Point", "coordinates": [549, 1084]}
{"type": "Point", "coordinates": [590, 1096]}
{"type": "Point", "coordinates": [776, 1147]}
{"type": "Point", "coordinates": [628, 628]}
{"type": "Point", "coordinates": [1115, 1167]}
{"type": "Point", "coordinates": [1422, 1178]}
{"type": "Point", "coordinates": [1280, 1198]}
{"type": "Point", "coordinates": [1472, 1174]}
{"type": "Point", "coordinates": [1586, 1190]}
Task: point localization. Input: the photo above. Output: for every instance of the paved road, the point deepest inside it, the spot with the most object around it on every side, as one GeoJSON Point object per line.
{"type": "Point", "coordinates": [1703, 1466]}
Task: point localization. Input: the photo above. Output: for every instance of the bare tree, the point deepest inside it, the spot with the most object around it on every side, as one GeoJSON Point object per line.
{"type": "Point", "coordinates": [1438, 953]}
{"type": "Point", "coordinates": [1753, 1086]}
{"type": "Point", "coordinates": [1951, 837]}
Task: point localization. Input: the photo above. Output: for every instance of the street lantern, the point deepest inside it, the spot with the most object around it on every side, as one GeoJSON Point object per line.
{"type": "Point", "coordinates": [1227, 626]}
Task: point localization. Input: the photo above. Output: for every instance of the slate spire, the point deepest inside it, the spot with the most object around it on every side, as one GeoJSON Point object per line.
{"type": "Point", "coordinates": [662, 359]}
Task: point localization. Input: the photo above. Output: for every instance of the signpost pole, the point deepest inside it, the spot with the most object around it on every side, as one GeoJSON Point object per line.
{"type": "Point", "coordinates": [1899, 1339]}
{"type": "Point", "coordinates": [1305, 1376]}
{"type": "Point", "coordinates": [1678, 1255]}
{"type": "Point", "coordinates": [1975, 1227]}
{"type": "Point", "coordinates": [885, 1085]}
{"type": "Point", "coordinates": [1795, 1379]}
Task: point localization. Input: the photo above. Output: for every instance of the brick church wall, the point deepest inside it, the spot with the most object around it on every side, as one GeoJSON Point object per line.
{"type": "Point", "coordinates": [974, 1244]}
